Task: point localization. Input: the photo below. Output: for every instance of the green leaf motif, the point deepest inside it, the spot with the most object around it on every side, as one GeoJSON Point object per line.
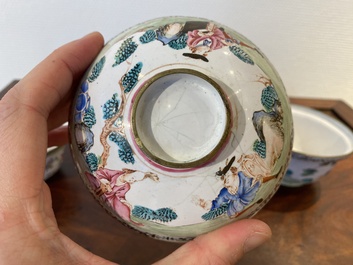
{"type": "Point", "coordinates": [129, 80]}
{"type": "Point", "coordinates": [242, 55]}
{"type": "Point", "coordinates": [179, 43]}
{"type": "Point", "coordinates": [111, 107]}
{"type": "Point", "coordinates": [89, 118]}
{"type": "Point", "coordinates": [163, 214]}
{"type": "Point", "coordinates": [212, 214]}
{"type": "Point", "coordinates": [148, 36]}
{"type": "Point", "coordinates": [92, 162]}
{"type": "Point", "coordinates": [127, 48]}
{"type": "Point", "coordinates": [97, 69]}
{"type": "Point", "coordinates": [269, 97]}
{"type": "Point", "coordinates": [125, 152]}
{"type": "Point", "coordinates": [260, 148]}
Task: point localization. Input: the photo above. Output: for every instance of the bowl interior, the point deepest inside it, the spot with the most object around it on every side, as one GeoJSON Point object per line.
{"type": "Point", "coordinates": [317, 134]}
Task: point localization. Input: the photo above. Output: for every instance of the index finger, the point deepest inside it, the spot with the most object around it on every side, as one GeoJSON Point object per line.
{"type": "Point", "coordinates": [24, 111]}
{"type": "Point", "coordinates": [48, 83]}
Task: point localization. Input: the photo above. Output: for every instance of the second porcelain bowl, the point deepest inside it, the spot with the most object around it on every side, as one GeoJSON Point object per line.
{"type": "Point", "coordinates": [320, 141]}
{"type": "Point", "coordinates": [181, 126]}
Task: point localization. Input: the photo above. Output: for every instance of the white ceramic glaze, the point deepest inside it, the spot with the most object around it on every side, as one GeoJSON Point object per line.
{"type": "Point", "coordinates": [165, 112]}
{"type": "Point", "coordinates": [181, 126]}
{"type": "Point", "coordinates": [319, 142]}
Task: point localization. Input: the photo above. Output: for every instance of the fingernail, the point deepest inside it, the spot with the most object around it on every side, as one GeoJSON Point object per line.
{"type": "Point", "coordinates": [255, 240]}
{"type": "Point", "coordinates": [91, 34]}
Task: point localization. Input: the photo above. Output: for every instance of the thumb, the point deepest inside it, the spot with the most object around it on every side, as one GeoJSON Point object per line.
{"type": "Point", "coordinates": [224, 246]}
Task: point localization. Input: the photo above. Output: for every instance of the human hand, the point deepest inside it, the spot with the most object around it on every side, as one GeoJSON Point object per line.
{"type": "Point", "coordinates": [30, 114]}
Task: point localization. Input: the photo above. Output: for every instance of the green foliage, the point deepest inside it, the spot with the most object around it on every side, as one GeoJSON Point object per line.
{"type": "Point", "coordinates": [260, 148]}
{"type": "Point", "coordinates": [166, 215]}
{"type": "Point", "coordinates": [97, 69]}
{"type": "Point", "coordinates": [179, 43]}
{"type": "Point", "coordinates": [163, 214]}
{"type": "Point", "coordinates": [148, 36]}
{"type": "Point", "coordinates": [242, 55]}
{"type": "Point", "coordinates": [92, 162]}
{"type": "Point", "coordinates": [269, 97]}
{"type": "Point", "coordinates": [129, 80]}
{"type": "Point", "coordinates": [125, 152]}
{"type": "Point", "coordinates": [126, 49]}
{"type": "Point", "coordinates": [212, 214]}
{"type": "Point", "coordinates": [111, 107]}
{"type": "Point", "coordinates": [89, 118]}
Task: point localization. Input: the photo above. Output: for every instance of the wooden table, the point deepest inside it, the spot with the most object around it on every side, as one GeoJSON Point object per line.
{"type": "Point", "coordinates": [311, 225]}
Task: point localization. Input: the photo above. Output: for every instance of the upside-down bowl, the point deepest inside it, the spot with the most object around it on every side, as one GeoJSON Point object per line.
{"type": "Point", "coordinates": [180, 126]}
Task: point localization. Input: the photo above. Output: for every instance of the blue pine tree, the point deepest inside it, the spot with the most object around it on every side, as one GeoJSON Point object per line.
{"type": "Point", "coordinates": [89, 118]}
{"type": "Point", "coordinates": [143, 212]}
{"type": "Point", "coordinates": [269, 97]}
{"type": "Point", "coordinates": [111, 107]}
{"type": "Point", "coordinates": [92, 162]}
{"type": "Point", "coordinates": [125, 152]}
{"type": "Point", "coordinates": [242, 55]}
{"type": "Point", "coordinates": [126, 49]}
{"type": "Point", "coordinates": [212, 214]}
{"type": "Point", "coordinates": [166, 215]}
{"type": "Point", "coordinates": [97, 69]}
{"type": "Point", "coordinates": [148, 36]}
{"type": "Point", "coordinates": [163, 214]}
{"type": "Point", "coordinates": [260, 148]}
{"type": "Point", "coordinates": [179, 43]}
{"type": "Point", "coordinates": [129, 80]}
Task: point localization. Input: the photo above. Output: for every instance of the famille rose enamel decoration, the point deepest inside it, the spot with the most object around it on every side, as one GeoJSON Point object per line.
{"type": "Point", "coordinates": [181, 126]}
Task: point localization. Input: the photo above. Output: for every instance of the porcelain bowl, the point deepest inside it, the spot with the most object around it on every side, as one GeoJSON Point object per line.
{"type": "Point", "coordinates": [180, 126]}
{"type": "Point", "coordinates": [320, 141]}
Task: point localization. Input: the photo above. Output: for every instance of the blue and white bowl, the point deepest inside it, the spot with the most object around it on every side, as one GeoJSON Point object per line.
{"type": "Point", "coordinates": [319, 142]}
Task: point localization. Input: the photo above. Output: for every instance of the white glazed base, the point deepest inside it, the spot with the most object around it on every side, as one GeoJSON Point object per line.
{"type": "Point", "coordinates": [176, 123]}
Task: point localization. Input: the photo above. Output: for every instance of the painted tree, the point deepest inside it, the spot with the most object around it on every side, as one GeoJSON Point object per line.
{"type": "Point", "coordinates": [148, 36]}
{"type": "Point", "coordinates": [163, 215]}
{"type": "Point", "coordinates": [113, 109]}
{"type": "Point", "coordinates": [241, 54]}
{"type": "Point", "coordinates": [127, 48]}
{"type": "Point", "coordinates": [96, 70]}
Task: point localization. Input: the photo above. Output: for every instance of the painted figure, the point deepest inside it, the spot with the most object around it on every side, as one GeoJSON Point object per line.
{"type": "Point", "coordinates": [211, 38]}
{"type": "Point", "coordinates": [255, 168]}
{"type": "Point", "coordinates": [238, 192]}
{"type": "Point", "coordinates": [169, 32]}
{"type": "Point", "coordinates": [240, 187]}
{"type": "Point", "coordinates": [202, 37]}
{"type": "Point", "coordinates": [114, 184]}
